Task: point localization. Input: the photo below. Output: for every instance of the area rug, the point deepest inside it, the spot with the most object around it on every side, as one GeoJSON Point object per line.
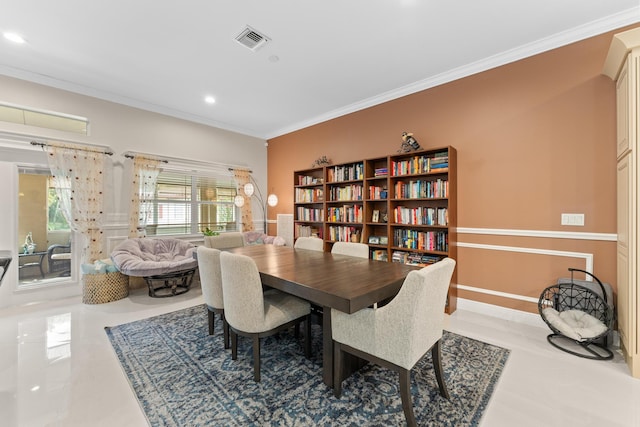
{"type": "Point", "coordinates": [183, 377]}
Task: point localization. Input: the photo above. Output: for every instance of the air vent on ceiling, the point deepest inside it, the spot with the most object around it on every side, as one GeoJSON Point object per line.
{"type": "Point", "coordinates": [252, 38]}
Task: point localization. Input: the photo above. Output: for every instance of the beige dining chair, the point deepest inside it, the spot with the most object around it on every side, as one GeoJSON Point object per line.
{"type": "Point", "coordinates": [211, 283]}
{"type": "Point", "coordinates": [232, 239]}
{"type": "Point", "coordinates": [397, 335]}
{"type": "Point", "coordinates": [360, 250]}
{"type": "Point", "coordinates": [310, 243]}
{"type": "Point", "coordinates": [254, 314]}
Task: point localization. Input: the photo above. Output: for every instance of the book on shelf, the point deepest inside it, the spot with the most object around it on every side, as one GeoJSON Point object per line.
{"type": "Point", "coordinates": [414, 258]}
{"type": "Point", "coordinates": [341, 233]}
{"type": "Point", "coordinates": [422, 189]}
{"type": "Point", "coordinates": [377, 193]}
{"type": "Point", "coordinates": [309, 214]}
{"type": "Point", "coordinates": [421, 240]}
{"type": "Point", "coordinates": [351, 172]}
{"type": "Point", "coordinates": [309, 180]}
{"type": "Point", "coordinates": [379, 255]}
{"type": "Point", "coordinates": [347, 192]}
{"type": "Point", "coordinates": [309, 195]}
{"type": "Point", "coordinates": [346, 213]}
{"type": "Point", "coordinates": [380, 172]}
{"type": "Point", "coordinates": [421, 215]}
{"type": "Point", "coordinates": [307, 231]}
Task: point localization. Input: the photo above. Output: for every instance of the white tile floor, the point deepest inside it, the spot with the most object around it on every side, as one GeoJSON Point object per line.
{"type": "Point", "coordinates": [57, 368]}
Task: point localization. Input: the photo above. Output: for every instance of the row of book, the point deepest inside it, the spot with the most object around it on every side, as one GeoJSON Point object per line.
{"type": "Point", "coordinates": [414, 258]}
{"type": "Point", "coordinates": [307, 231]}
{"type": "Point", "coordinates": [420, 164]}
{"type": "Point", "coordinates": [338, 233]}
{"type": "Point", "coordinates": [422, 189]}
{"type": "Point", "coordinates": [309, 180]}
{"type": "Point", "coordinates": [349, 192]}
{"type": "Point", "coordinates": [377, 193]}
{"type": "Point", "coordinates": [309, 195]}
{"type": "Point", "coordinates": [309, 214]}
{"type": "Point", "coordinates": [383, 171]}
{"type": "Point", "coordinates": [421, 215]}
{"type": "Point", "coordinates": [421, 240]}
{"type": "Point", "coordinates": [345, 173]}
{"type": "Point", "coordinates": [346, 213]}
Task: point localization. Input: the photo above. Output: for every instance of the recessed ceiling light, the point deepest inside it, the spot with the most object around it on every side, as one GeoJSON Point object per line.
{"type": "Point", "coordinates": [209, 100]}
{"type": "Point", "coordinates": [14, 37]}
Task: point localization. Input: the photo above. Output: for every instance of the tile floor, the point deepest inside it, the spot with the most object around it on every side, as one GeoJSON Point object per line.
{"type": "Point", "coordinates": [57, 368]}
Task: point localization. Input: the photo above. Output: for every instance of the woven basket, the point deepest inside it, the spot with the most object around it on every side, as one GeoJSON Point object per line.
{"type": "Point", "coordinates": [106, 287]}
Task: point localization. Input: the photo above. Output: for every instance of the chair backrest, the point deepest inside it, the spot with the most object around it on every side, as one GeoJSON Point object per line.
{"type": "Point", "coordinates": [210, 276]}
{"type": "Point", "coordinates": [359, 250]}
{"type": "Point", "coordinates": [232, 239]}
{"type": "Point", "coordinates": [310, 243]}
{"type": "Point", "coordinates": [242, 292]}
{"type": "Point", "coordinates": [413, 321]}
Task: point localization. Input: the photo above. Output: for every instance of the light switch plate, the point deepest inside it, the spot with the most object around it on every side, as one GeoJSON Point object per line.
{"type": "Point", "coordinates": [572, 219]}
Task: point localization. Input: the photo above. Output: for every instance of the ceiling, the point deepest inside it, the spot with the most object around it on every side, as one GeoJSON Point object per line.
{"type": "Point", "coordinates": [324, 59]}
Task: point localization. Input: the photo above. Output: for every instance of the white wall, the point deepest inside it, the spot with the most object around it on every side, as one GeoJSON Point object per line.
{"type": "Point", "coordinates": [123, 129]}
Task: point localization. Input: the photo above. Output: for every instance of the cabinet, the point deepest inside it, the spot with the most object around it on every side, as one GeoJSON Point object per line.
{"type": "Point", "coordinates": [403, 206]}
{"type": "Point", "coordinates": [623, 66]}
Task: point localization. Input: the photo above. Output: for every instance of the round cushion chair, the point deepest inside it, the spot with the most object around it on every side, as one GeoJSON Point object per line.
{"type": "Point", "coordinates": [580, 314]}
{"type": "Point", "coordinates": [167, 265]}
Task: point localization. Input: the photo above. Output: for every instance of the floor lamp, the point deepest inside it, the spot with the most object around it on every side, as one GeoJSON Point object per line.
{"type": "Point", "coordinates": [249, 190]}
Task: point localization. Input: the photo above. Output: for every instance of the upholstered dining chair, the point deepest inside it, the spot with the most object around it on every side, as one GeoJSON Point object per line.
{"type": "Point", "coordinates": [231, 239]}
{"type": "Point", "coordinates": [359, 250]}
{"type": "Point", "coordinates": [310, 243]}
{"type": "Point", "coordinates": [254, 314]}
{"type": "Point", "coordinates": [211, 283]}
{"type": "Point", "coordinates": [397, 335]}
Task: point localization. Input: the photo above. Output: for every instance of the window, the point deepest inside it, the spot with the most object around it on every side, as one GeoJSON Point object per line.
{"type": "Point", "coordinates": [188, 204]}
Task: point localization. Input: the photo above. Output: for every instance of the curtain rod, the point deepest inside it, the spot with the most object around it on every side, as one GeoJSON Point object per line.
{"type": "Point", "coordinates": [233, 169]}
{"type": "Point", "coordinates": [107, 152]}
{"type": "Point", "coordinates": [183, 161]}
{"type": "Point", "coordinates": [131, 156]}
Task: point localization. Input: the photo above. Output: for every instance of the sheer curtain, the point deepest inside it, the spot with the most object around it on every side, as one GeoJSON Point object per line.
{"type": "Point", "coordinates": [242, 177]}
{"type": "Point", "coordinates": [145, 178]}
{"type": "Point", "coordinates": [78, 178]}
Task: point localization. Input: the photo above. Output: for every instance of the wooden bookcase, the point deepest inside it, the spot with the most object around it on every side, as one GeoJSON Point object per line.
{"type": "Point", "coordinates": [403, 206]}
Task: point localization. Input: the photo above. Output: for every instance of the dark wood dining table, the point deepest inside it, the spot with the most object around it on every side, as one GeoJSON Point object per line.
{"type": "Point", "coordinates": [331, 281]}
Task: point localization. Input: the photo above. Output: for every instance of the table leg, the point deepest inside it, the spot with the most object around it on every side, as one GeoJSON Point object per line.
{"type": "Point", "coordinates": [327, 347]}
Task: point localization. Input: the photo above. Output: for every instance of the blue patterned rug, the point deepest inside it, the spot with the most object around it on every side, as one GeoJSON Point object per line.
{"type": "Point", "coordinates": [184, 377]}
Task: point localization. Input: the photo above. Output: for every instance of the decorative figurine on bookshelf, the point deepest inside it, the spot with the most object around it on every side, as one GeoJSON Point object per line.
{"type": "Point", "coordinates": [409, 143]}
{"type": "Point", "coordinates": [321, 161]}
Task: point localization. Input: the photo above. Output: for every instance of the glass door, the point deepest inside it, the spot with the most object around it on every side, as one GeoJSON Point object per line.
{"type": "Point", "coordinates": [44, 237]}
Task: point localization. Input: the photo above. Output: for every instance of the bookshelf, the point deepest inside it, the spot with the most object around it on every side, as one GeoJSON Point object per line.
{"type": "Point", "coordinates": [403, 206]}
{"type": "Point", "coordinates": [344, 204]}
{"type": "Point", "coordinates": [309, 203]}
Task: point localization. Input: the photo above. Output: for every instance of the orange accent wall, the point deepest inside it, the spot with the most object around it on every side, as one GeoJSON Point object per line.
{"type": "Point", "coordinates": [535, 138]}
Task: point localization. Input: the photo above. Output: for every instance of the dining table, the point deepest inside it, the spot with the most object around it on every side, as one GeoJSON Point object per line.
{"type": "Point", "coordinates": [330, 281]}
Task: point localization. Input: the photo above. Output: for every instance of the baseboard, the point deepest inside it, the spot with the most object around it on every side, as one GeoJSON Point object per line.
{"type": "Point", "coordinates": [504, 313]}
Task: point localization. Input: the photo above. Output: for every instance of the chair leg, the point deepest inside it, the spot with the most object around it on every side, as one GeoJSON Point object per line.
{"type": "Point", "coordinates": [436, 356]}
{"type": "Point", "coordinates": [211, 315]}
{"type": "Point", "coordinates": [405, 395]}
{"type": "Point", "coordinates": [225, 328]}
{"type": "Point", "coordinates": [234, 345]}
{"type": "Point", "coordinates": [337, 369]}
{"type": "Point", "coordinates": [256, 358]}
{"type": "Point", "coordinates": [307, 337]}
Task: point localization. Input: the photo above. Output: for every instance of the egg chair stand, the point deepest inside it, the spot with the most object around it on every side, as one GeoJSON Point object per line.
{"type": "Point", "coordinates": [580, 314]}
